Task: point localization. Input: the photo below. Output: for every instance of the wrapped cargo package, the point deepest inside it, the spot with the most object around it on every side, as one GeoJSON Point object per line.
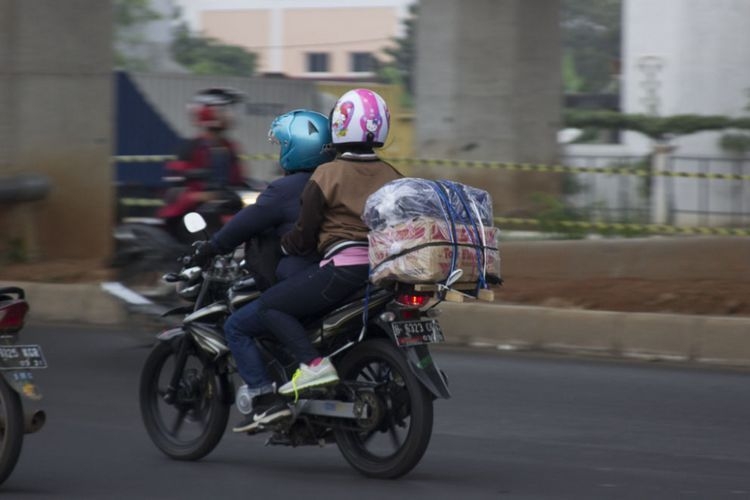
{"type": "Point", "coordinates": [420, 230]}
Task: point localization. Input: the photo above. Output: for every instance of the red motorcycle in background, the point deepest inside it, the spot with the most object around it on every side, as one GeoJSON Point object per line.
{"type": "Point", "coordinates": [17, 363]}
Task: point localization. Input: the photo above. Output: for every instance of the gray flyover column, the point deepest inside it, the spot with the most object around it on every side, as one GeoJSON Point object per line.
{"type": "Point", "coordinates": [488, 87]}
{"type": "Point", "coordinates": [56, 119]}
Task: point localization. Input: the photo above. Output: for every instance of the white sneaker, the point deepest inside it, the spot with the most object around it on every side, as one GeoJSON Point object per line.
{"type": "Point", "coordinates": [310, 376]}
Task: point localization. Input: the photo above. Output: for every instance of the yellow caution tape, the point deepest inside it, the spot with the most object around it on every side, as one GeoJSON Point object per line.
{"type": "Point", "coordinates": [141, 202]}
{"type": "Point", "coordinates": [160, 158]}
{"type": "Point", "coordinates": [492, 165]}
{"type": "Point", "coordinates": [621, 227]}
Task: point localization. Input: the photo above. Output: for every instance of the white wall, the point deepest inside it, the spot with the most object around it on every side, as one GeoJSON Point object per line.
{"type": "Point", "coordinates": [704, 50]}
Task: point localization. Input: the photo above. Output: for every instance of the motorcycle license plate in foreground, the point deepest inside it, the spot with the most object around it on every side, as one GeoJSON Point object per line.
{"type": "Point", "coordinates": [14, 357]}
{"type": "Point", "coordinates": [409, 333]}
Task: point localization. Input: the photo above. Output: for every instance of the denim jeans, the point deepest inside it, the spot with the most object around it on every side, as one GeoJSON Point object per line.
{"type": "Point", "coordinates": [311, 292]}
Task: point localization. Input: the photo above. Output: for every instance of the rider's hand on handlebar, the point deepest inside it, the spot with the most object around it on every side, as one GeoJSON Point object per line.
{"type": "Point", "coordinates": [203, 252]}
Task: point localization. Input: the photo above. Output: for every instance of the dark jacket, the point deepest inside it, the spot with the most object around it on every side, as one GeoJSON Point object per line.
{"type": "Point", "coordinates": [273, 214]}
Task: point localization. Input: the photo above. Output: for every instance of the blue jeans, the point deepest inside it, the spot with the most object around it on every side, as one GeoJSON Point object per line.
{"type": "Point", "coordinates": [311, 292]}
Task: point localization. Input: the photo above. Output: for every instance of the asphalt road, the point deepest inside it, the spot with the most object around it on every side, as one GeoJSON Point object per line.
{"type": "Point", "coordinates": [519, 426]}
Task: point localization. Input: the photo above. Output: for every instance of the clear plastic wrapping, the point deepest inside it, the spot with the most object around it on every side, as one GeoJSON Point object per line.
{"type": "Point", "coordinates": [420, 230]}
{"type": "Point", "coordinates": [404, 199]}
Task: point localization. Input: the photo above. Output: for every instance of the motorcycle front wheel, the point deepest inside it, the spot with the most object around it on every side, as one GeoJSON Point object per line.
{"type": "Point", "coordinates": [394, 444]}
{"type": "Point", "coordinates": [11, 429]}
{"type": "Point", "coordinates": [187, 422]}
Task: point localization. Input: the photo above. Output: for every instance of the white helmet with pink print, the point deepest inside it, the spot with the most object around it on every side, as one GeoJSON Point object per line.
{"type": "Point", "coordinates": [360, 118]}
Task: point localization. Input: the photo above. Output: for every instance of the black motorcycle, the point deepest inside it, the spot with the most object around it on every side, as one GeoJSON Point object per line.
{"type": "Point", "coordinates": [379, 415]}
{"type": "Point", "coordinates": [16, 380]}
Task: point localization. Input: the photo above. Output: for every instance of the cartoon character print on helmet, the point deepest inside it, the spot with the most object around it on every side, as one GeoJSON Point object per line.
{"type": "Point", "coordinates": [341, 124]}
{"type": "Point", "coordinates": [360, 116]}
{"type": "Point", "coordinates": [302, 136]}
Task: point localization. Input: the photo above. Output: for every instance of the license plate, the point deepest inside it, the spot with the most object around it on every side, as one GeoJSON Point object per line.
{"type": "Point", "coordinates": [13, 357]}
{"type": "Point", "coordinates": [409, 333]}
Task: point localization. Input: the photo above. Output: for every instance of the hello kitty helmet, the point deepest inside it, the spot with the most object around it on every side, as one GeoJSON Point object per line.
{"type": "Point", "coordinates": [360, 118]}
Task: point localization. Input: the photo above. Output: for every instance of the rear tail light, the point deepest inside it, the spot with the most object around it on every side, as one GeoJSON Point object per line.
{"type": "Point", "coordinates": [12, 314]}
{"type": "Point", "coordinates": [414, 300]}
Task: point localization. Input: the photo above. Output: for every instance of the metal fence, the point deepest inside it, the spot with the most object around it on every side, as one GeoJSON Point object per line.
{"type": "Point", "coordinates": [695, 191]}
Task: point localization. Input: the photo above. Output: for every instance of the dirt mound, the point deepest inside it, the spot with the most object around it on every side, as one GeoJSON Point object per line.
{"type": "Point", "coordinates": [677, 295]}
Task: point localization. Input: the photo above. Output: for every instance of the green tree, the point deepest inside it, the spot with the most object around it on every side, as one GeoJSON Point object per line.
{"type": "Point", "coordinates": [206, 56]}
{"type": "Point", "coordinates": [129, 14]}
{"type": "Point", "coordinates": [399, 68]}
{"type": "Point", "coordinates": [591, 35]}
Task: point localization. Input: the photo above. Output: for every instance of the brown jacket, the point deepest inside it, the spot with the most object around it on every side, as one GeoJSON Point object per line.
{"type": "Point", "coordinates": [332, 204]}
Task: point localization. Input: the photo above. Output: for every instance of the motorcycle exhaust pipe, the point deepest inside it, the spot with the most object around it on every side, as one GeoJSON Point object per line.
{"type": "Point", "coordinates": [34, 421]}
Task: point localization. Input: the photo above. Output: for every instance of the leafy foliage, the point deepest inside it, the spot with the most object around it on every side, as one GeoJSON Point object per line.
{"type": "Point", "coordinates": [399, 70]}
{"type": "Point", "coordinates": [656, 127]}
{"type": "Point", "coordinates": [736, 143]}
{"type": "Point", "coordinates": [206, 56]}
{"type": "Point", "coordinates": [129, 14]}
{"type": "Point", "coordinates": [591, 37]}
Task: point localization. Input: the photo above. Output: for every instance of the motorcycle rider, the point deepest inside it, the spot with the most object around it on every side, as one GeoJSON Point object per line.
{"type": "Point", "coordinates": [302, 136]}
{"type": "Point", "coordinates": [207, 162]}
{"type": "Point", "coordinates": [329, 224]}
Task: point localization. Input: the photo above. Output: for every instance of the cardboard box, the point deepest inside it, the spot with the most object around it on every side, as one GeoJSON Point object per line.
{"type": "Point", "coordinates": [420, 251]}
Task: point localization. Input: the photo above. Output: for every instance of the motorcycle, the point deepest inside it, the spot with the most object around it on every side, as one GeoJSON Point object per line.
{"type": "Point", "coordinates": [379, 415]}
{"type": "Point", "coordinates": [148, 247]}
{"type": "Point", "coordinates": [16, 380]}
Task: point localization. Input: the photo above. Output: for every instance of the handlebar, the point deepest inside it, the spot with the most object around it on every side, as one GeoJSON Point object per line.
{"type": "Point", "coordinates": [13, 290]}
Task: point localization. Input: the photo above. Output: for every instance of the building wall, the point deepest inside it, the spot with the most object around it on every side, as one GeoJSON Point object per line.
{"type": "Point", "coordinates": [283, 36]}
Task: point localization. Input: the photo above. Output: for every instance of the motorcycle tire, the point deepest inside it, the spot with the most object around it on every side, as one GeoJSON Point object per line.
{"type": "Point", "coordinates": [11, 429]}
{"type": "Point", "coordinates": [191, 426]}
{"type": "Point", "coordinates": [402, 397]}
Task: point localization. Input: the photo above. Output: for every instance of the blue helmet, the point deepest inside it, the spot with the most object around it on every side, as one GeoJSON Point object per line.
{"type": "Point", "coordinates": [302, 135]}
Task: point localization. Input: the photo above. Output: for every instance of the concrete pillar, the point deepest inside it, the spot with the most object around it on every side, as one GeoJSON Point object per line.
{"type": "Point", "coordinates": [56, 118]}
{"type": "Point", "coordinates": [488, 87]}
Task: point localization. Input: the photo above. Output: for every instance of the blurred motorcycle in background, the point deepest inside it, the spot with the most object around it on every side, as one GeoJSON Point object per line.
{"type": "Point", "coordinates": [16, 380]}
{"type": "Point", "coordinates": [148, 247]}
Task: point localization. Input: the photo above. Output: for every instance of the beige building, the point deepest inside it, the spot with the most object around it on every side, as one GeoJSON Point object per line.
{"type": "Point", "coordinates": [318, 39]}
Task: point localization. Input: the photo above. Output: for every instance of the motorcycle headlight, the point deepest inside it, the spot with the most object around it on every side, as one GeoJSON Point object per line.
{"type": "Point", "coordinates": [249, 197]}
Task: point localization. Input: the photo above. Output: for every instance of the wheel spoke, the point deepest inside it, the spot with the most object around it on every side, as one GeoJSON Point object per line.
{"type": "Point", "coordinates": [394, 437]}
{"type": "Point", "coordinates": [369, 373]}
{"type": "Point", "coordinates": [177, 424]}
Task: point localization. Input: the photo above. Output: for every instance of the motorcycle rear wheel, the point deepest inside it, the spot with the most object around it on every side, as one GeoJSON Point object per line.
{"type": "Point", "coordinates": [396, 445]}
{"type": "Point", "coordinates": [190, 426]}
{"type": "Point", "coordinates": [11, 429]}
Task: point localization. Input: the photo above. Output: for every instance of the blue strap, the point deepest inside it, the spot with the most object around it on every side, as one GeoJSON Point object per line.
{"type": "Point", "coordinates": [471, 223]}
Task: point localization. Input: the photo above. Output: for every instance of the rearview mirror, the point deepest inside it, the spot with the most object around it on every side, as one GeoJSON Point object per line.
{"type": "Point", "coordinates": [194, 222]}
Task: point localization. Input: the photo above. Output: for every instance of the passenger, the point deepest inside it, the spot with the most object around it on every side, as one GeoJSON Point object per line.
{"type": "Point", "coordinates": [329, 224]}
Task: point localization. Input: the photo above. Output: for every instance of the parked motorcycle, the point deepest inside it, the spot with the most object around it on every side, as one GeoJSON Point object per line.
{"type": "Point", "coordinates": [16, 380]}
{"type": "Point", "coordinates": [379, 415]}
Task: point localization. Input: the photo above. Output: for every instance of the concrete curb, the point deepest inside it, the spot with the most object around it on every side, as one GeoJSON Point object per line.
{"type": "Point", "coordinates": [677, 337]}
{"type": "Point", "coordinates": [704, 339]}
